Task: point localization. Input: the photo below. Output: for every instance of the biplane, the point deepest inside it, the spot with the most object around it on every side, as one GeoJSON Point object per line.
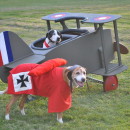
{"type": "Point", "coordinates": [92, 47]}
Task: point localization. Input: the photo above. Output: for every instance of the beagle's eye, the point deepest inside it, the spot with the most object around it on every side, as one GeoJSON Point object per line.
{"type": "Point", "coordinates": [84, 73]}
{"type": "Point", "coordinates": [77, 73]}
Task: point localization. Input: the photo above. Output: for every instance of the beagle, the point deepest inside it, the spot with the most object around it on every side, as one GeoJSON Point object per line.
{"type": "Point", "coordinates": [53, 37]}
{"type": "Point", "coordinates": [72, 77]}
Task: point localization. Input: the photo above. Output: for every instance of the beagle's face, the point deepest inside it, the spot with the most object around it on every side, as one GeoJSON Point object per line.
{"type": "Point", "coordinates": [79, 76]}
{"type": "Point", "coordinates": [54, 36]}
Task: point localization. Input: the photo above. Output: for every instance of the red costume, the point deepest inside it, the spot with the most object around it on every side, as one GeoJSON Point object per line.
{"type": "Point", "coordinates": [43, 83]}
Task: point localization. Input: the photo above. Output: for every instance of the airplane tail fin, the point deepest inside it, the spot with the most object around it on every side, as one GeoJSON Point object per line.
{"type": "Point", "coordinates": [6, 54]}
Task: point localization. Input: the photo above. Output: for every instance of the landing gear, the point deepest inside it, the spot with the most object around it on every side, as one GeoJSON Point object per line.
{"type": "Point", "coordinates": [110, 83]}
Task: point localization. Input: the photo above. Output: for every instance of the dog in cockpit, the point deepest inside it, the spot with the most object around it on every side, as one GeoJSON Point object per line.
{"type": "Point", "coordinates": [57, 85]}
{"type": "Point", "coordinates": [53, 37]}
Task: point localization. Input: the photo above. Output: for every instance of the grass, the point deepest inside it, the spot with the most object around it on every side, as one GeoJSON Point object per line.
{"type": "Point", "coordinates": [92, 110]}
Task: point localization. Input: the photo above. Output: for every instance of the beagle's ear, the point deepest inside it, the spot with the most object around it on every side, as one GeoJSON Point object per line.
{"type": "Point", "coordinates": [59, 33]}
{"type": "Point", "coordinates": [69, 75]}
{"type": "Point", "coordinates": [61, 36]}
{"type": "Point", "coordinates": [70, 70]}
{"type": "Point", "coordinates": [46, 35]}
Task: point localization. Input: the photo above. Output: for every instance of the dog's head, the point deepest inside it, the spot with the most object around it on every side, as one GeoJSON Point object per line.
{"type": "Point", "coordinates": [54, 36]}
{"type": "Point", "coordinates": [77, 74]}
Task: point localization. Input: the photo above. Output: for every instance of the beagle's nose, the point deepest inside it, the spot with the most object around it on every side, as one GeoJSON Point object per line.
{"type": "Point", "coordinates": [83, 79]}
{"type": "Point", "coordinates": [58, 39]}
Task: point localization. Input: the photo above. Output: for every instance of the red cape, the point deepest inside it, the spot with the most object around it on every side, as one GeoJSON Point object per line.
{"type": "Point", "coordinates": [50, 84]}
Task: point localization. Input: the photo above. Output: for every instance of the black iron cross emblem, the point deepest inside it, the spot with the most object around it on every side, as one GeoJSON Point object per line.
{"type": "Point", "coordinates": [22, 80]}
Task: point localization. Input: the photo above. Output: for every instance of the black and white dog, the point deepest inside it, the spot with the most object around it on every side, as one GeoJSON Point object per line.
{"type": "Point", "coordinates": [53, 37]}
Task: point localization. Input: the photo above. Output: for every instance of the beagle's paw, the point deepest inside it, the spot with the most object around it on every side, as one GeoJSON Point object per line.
{"type": "Point", "coordinates": [60, 120]}
{"type": "Point", "coordinates": [23, 112]}
{"type": "Point", "coordinates": [7, 117]}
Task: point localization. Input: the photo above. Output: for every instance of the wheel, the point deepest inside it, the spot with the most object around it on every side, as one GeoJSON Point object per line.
{"type": "Point", "coordinates": [110, 83]}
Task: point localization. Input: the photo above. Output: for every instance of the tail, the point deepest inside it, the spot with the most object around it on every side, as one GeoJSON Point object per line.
{"type": "Point", "coordinates": [3, 92]}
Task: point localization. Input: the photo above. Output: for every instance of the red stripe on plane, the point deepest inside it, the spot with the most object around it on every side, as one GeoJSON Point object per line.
{"type": "Point", "coordinates": [1, 61]}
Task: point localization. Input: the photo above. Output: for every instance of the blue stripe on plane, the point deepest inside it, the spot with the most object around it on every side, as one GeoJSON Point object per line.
{"type": "Point", "coordinates": [8, 46]}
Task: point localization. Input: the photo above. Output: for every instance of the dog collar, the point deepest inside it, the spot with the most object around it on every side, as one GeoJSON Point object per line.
{"type": "Point", "coordinates": [46, 44]}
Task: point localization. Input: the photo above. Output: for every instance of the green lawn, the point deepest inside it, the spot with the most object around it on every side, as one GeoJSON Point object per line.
{"type": "Point", "coordinates": [91, 110]}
